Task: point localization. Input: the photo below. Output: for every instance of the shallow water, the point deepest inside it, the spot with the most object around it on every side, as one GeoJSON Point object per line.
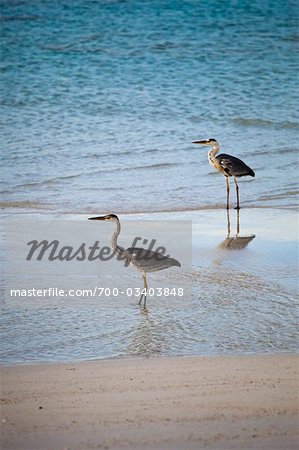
{"type": "Point", "coordinates": [101, 101]}
{"type": "Point", "coordinates": [241, 300]}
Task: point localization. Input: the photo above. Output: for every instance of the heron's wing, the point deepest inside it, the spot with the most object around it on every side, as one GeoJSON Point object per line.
{"type": "Point", "coordinates": [234, 166]}
{"type": "Point", "coordinates": [149, 261]}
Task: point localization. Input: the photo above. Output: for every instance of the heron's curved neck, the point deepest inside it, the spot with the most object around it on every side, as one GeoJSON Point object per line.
{"type": "Point", "coordinates": [114, 237]}
{"type": "Point", "coordinates": [214, 150]}
{"type": "Point", "coordinates": [212, 154]}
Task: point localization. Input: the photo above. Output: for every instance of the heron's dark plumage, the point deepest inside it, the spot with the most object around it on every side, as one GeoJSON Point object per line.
{"type": "Point", "coordinates": [233, 166]}
{"type": "Point", "coordinates": [228, 165]}
{"type": "Point", "coordinates": [147, 260]}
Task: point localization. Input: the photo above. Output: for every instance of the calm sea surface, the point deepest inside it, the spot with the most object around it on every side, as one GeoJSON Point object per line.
{"type": "Point", "coordinates": [100, 103]}
{"type": "Point", "coordinates": [102, 99]}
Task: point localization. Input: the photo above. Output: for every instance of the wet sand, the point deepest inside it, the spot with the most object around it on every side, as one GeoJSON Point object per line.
{"type": "Point", "coordinates": [238, 402]}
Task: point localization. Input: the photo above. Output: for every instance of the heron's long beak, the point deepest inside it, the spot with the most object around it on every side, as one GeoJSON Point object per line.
{"type": "Point", "coordinates": [205, 142]}
{"type": "Point", "coordinates": [97, 218]}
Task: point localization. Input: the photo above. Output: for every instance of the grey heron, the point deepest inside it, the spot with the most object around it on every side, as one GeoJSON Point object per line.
{"type": "Point", "coordinates": [228, 165]}
{"type": "Point", "coordinates": [142, 259]}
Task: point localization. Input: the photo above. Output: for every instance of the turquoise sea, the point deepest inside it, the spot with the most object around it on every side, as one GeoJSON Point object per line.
{"type": "Point", "coordinates": [102, 99]}
{"type": "Point", "coordinates": [100, 103]}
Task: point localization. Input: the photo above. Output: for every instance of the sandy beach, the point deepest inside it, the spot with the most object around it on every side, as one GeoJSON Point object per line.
{"type": "Point", "coordinates": [237, 402]}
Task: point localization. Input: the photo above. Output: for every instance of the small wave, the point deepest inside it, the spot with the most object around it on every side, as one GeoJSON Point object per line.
{"type": "Point", "coordinates": [55, 47]}
{"type": "Point", "coordinates": [19, 18]}
{"type": "Point", "coordinates": [161, 46]}
{"type": "Point", "coordinates": [142, 167]}
{"type": "Point", "coordinates": [71, 48]}
{"type": "Point", "coordinates": [289, 150]}
{"type": "Point", "coordinates": [91, 37]}
{"type": "Point", "coordinates": [67, 46]}
{"type": "Point", "coordinates": [55, 180]}
{"type": "Point", "coordinates": [272, 151]}
{"type": "Point", "coordinates": [264, 123]}
{"type": "Point", "coordinates": [292, 38]}
{"type": "Point", "coordinates": [156, 166]}
{"type": "Point", "coordinates": [49, 181]}
{"type": "Point", "coordinates": [23, 204]}
{"type": "Point", "coordinates": [103, 189]}
{"type": "Point", "coordinates": [197, 118]}
{"type": "Point", "coordinates": [280, 196]}
{"type": "Point", "coordinates": [103, 155]}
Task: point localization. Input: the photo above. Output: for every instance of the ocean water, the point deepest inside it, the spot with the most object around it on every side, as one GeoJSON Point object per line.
{"type": "Point", "coordinates": [101, 101]}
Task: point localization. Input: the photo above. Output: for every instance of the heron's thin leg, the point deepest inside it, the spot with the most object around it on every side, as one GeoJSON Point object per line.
{"type": "Point", "coordinates": [238, 222]}
{"type": "Point", "coordinates": [237, 190]}
{"type": "Point", "coordinates": [228, 223]}
{"type": "Point", "coordinates": [140, 300]}
{"type": "Point", "coordinates": [143, 296]}
{"type": "Point", "coordinates": [145, 287]}
{"type": "Point", "coordinates": [227, 192]}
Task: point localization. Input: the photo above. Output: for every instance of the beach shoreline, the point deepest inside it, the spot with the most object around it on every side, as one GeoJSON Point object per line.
{"type": "Point", "coordinates": [218, 402]}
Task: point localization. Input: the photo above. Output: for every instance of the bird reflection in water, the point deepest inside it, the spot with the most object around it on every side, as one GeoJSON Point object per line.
{"type": "Point", "coordinates": [235, 242]}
